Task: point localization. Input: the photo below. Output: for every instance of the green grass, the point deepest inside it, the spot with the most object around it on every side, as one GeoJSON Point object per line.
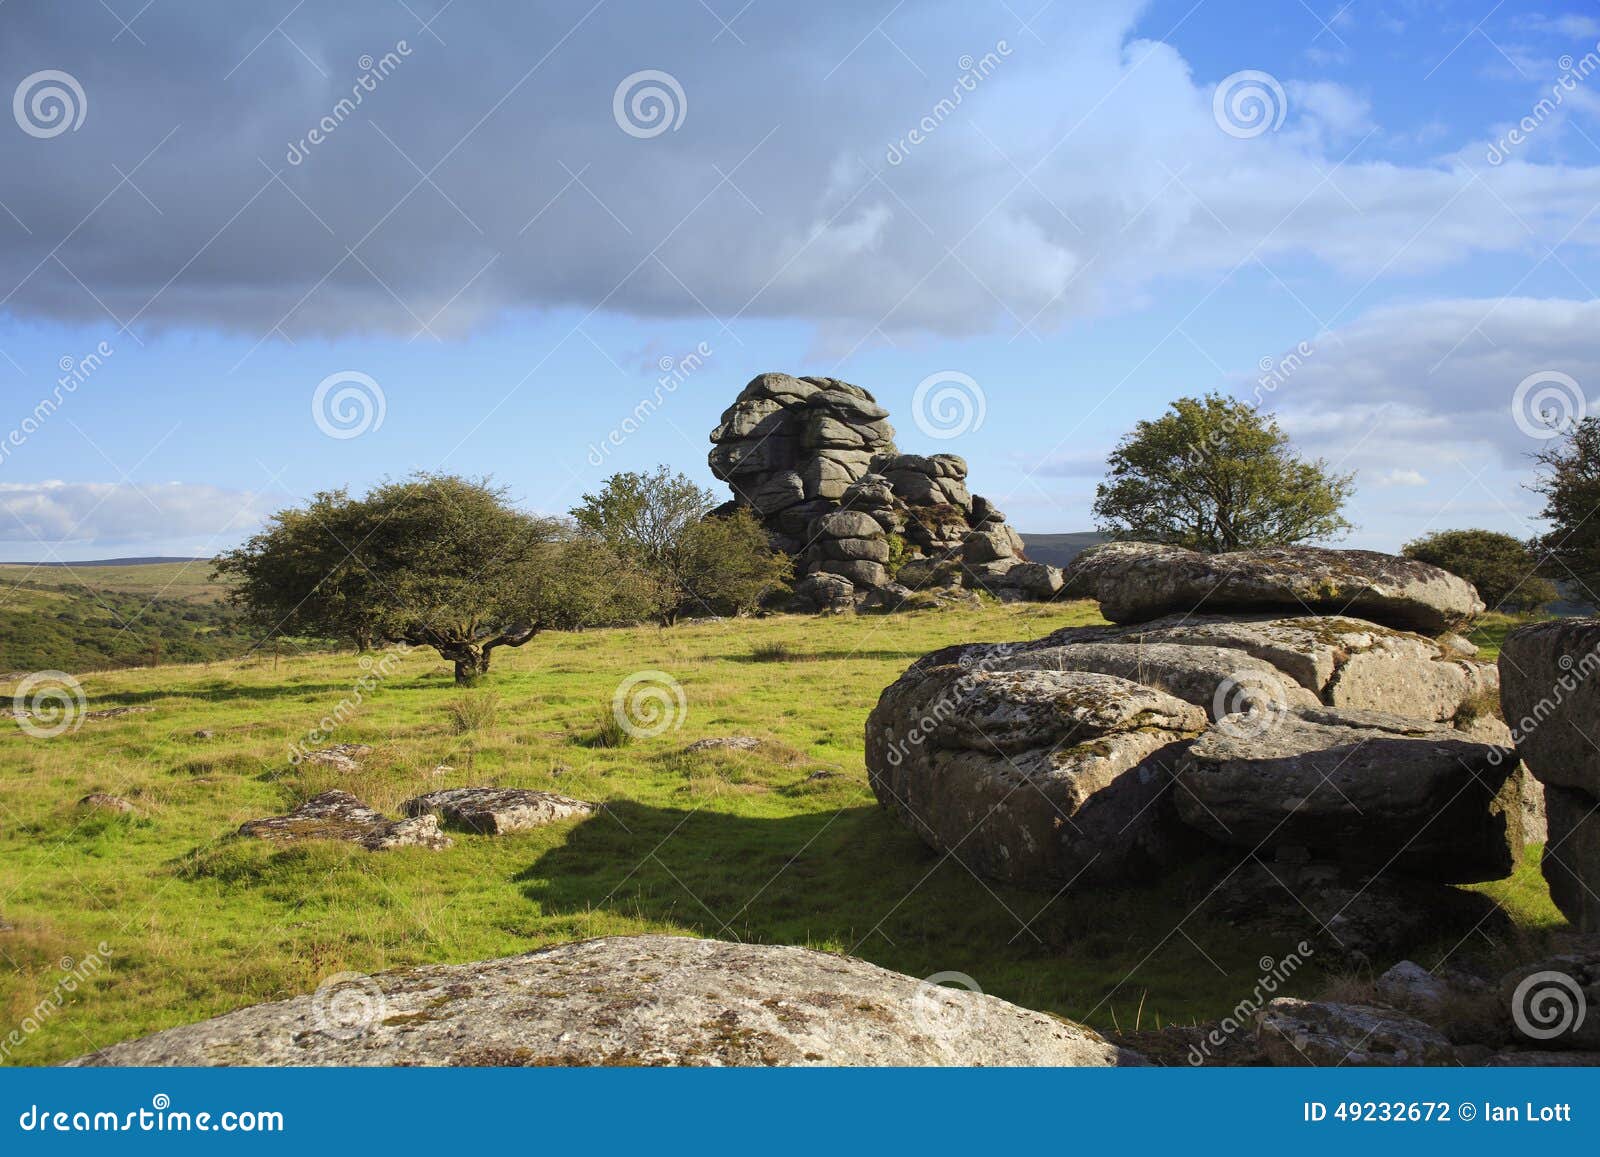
{"type": "Point", "coordinates": [190, 581]}
{"type": "Point", "coordinates": [747, 844]}
{"type": "Point", "coordinates": [1491, 630]}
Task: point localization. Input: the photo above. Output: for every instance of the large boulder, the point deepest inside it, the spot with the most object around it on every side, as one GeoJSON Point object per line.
{"type": "Point", "coordinates": [1342, 661]}
{"type": "Point", "coordinates": [1360, 787]}
{"type": "Point", "coordinates": [634, 1000]}
{"type": "Point", "coordinates": [1138, 581]}
{"type": "Point", "coordinates": [1032, 776]}
{"type": "Point", "coordinates": [1552, 699]}
{"type": "Point", "coordinates": [1571, 863]}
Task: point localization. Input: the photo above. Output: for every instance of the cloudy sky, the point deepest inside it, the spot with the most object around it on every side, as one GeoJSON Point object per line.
{"type": "Point", "coordinates": [252, 251]}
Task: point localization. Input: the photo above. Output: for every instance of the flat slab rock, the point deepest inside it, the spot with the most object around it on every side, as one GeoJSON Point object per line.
{"type": "Point", "coordinates": [1325, 1033]}
{"type": "Point", "coordinates": [636, 1000]}
{"type": "Point", "coordinates": [1138, 581]}
{"type": "Point", "coordinates": [1032, 776]}
{"type": "Point", "coordinates": [1360, 787]}
{"type": "Point", "coordinates": [340, 757]}
{"type": "Point", "coordinates": [496, 811]}
{"type": "Point", "coordinates": [338, 815]}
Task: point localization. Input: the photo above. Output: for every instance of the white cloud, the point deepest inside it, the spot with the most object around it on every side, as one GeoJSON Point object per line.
{"type": "Point", "coordinates": [36, 517]}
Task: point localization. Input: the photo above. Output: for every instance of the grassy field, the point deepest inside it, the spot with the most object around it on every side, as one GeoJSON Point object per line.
{"type": "Point", "coordinates": [750, 845]}
{"type": "Point", "coordinates": [188, 581]}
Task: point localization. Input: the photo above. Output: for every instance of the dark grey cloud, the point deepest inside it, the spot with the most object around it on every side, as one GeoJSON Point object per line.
{"type": "Point", "coordinates": [486, 172]}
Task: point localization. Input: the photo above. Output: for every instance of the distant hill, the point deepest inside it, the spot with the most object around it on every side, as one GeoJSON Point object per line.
{"type": "Point", "coordinates": [151, 561]}
{"type": "Point", "coordinates": [1059, 549]}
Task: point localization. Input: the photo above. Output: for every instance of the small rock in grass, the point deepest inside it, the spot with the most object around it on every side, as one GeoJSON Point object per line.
{"type": "Point", "coordinates": [338, 815]}
{"type": "Point", "coordinates": [340, 757]}
{"type": "Point", "coordinates": [204, 733]}
{"type": "Point", "coordinates": [1304, 1032]}
{"type": "Point", "coordinates": [101, 801]}
{"type": "Point", "coordinates": [725, 743]}
{"type": "Point", "coordinates": [495, 811]}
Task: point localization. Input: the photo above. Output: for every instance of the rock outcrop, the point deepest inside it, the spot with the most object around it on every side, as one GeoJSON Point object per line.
{"type": "Point", "coordinates": [636, 1000]}
{"type": "Point", "coordinates": [1552, 702]}
{"type": "Point", "coordinates": [338, 815]}
{"type": "Point", "coordinates": [815, 459]}
{"type": "Point", "coordinates": [1303, 1032]}
{"type": "Point", "coordinates": [1138, 581]}
{"type": "Point", "coordinates": [1109, 753]}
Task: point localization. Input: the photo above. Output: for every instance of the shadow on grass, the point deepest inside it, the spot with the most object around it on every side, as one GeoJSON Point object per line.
{"type": "Point", "coordinates": [856, 882]}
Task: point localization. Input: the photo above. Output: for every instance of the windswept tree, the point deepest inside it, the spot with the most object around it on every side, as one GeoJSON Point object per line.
{"type": "Point", "coordinates": [1215, 474]}
{"type": "Point", "coordinates": [439, 561]}
{"type": "Point", "coordinates": [1503, 568]}
{"type": "Point", "coordinates": [299, 577]}
{"type": "Point", "coordinates": [694, 560]}
{"type": "Point", "coordinates": [1569, 481]}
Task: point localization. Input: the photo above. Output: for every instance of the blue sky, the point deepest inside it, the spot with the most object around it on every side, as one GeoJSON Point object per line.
{"type": "Point", "coordinates": [1086, 235]}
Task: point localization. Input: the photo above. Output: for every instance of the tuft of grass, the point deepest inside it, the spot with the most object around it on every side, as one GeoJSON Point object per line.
{"type": "Point", "coordinates": [608, 733]}
{"type": "Point", "coordinates": [776, 651]}
{"type": "Point", "coordinates": [473, 711]}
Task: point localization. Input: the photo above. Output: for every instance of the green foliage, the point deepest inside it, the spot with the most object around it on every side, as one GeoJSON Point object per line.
{"type": "Point", "coordinates": [686, 560]}
{"type": "Point", "coordinates": [82, 625]}
{"type": "Point", "coordinates": [437, 560]}
{"type": "Point", "coordinates": [899, 551]}
{"type": "Point", "coordinates": [1569, 481]}
{"type": "Point", "coordinates": [1503, 568]}
{"type": "Point", "coordinates": [1215, 474]}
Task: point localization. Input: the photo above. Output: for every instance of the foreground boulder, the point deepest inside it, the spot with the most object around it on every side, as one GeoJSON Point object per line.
{"type": "Point", "coordinates": [495, 811]}
{"type": "Point", "coordinates": [338, 815]}
{"type": "Point", "coordinates": [1032, 776]}
{"type": "Point", "coordinates": [1360, 787]}
{"type": "Point", "coordinates": [1548, 687]}
{"type": "Point", "coordinates": [1138, 581]}
{"type": "Point", "coordinates": [1571, 863]}
{"type": "Point", "coordinates": [636, 1000]}
{"type": "Point", "coordinates": [1302, 1032]}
